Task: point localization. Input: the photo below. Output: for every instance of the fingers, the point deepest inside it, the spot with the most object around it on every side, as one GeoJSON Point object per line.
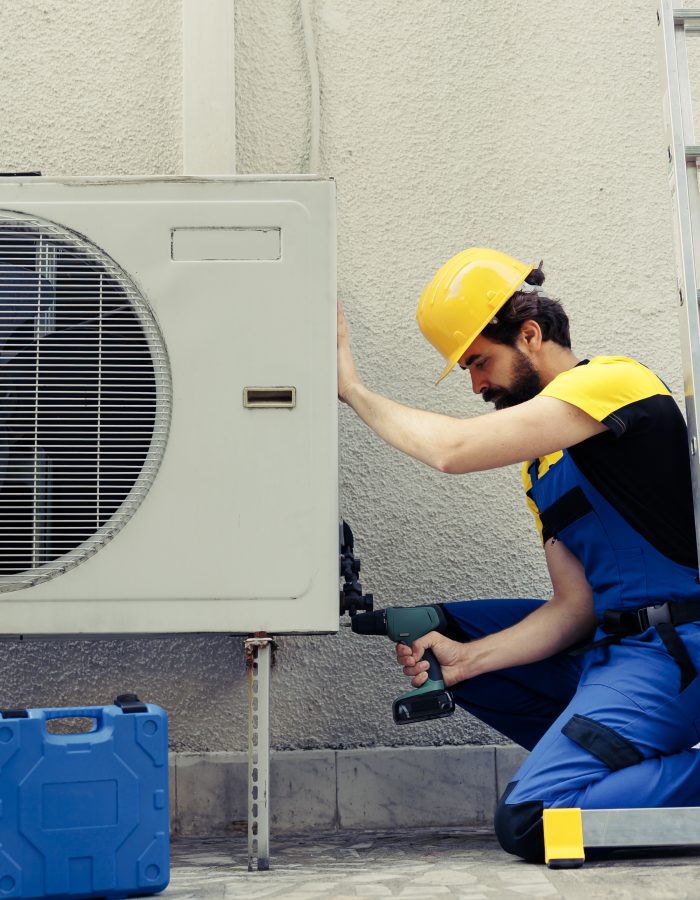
{"type": "Point", "coordinates": [402, 650]}
{"type": "Point", "coordinates": [408, 656]}
{"type": "Point", "coordinates": [405, 655]}
{"type": "Point", "coordinates": [347, 374]}
{"type": "Point", "coordinates": [414, 668]}
{"type": "Point", "coordinates": [342, 324]}
{"type": "Point", "coordinates": [433, 640]}
{"type": "Point", "coordinates": [411, 658]}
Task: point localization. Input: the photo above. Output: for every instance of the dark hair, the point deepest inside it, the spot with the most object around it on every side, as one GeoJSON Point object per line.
{"type": "Point", "coordinates": [524, 305]}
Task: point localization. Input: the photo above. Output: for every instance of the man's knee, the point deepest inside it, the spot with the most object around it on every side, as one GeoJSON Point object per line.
{"type": "Point", "coordinates": [519, 827]}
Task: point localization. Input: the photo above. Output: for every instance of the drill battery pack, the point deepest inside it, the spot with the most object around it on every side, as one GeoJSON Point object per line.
{"type": "Point", "coordinates": [84, 814]}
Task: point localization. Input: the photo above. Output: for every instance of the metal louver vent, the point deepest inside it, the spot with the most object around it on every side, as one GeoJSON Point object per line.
{"type": "Point", "coordinates": [84, 399]}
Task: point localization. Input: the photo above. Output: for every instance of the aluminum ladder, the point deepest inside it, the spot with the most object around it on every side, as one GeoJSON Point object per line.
{"type": "Point", "coordinates": [568, 832]}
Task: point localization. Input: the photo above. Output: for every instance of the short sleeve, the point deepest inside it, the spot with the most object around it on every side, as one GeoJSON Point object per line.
{"type": "Point", "coordinates": [610, 389]}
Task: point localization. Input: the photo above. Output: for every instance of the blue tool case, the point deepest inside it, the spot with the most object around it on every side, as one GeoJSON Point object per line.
{"type": "Point", "coordinates": [84, 814]}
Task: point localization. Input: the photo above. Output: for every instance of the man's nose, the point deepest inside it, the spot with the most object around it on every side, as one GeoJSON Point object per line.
{"type": "Point", "coordinates": [478, 381]}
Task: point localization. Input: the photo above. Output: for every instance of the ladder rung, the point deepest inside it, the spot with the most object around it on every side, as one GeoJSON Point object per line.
{"type": "Point", "coordinates": [692, 152]}
{"type": "Point", "coordinates": [685, 15]}
{"type": "Point", "coordinates": [688, 17]}
{"type": "Point", "coordinates": [664, 827]}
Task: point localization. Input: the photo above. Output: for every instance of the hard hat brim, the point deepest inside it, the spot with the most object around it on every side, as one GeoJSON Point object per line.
{"type": "Point", "coordinates": [453, 361]}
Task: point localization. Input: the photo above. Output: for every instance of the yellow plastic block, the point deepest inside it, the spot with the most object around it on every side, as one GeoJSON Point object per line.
{"type": "Point", "coordinates": [563, 838]}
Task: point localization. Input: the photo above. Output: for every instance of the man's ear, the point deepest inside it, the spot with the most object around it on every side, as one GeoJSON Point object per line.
{"type": "Point", "coordinates": [530, 335]}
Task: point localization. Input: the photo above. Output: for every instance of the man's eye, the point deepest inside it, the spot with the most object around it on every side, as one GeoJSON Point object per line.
{"type": "Point", "coordinates": [480, 364]}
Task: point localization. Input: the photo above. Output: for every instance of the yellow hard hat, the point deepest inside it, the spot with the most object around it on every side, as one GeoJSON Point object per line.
{"type": "Point", "coordinates": [464, 296]}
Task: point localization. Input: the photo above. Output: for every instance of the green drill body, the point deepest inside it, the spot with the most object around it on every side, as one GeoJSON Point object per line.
{"type": "Point", "coordinates": [405, 624]}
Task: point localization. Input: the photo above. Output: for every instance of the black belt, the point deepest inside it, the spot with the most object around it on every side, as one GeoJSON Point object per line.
{"type": "Point", "coordinates": [619, 623]}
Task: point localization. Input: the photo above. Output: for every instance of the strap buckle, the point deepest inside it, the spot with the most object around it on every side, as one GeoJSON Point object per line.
{"type": "Point", "coordinates": [649, 616]}
{"type": "Point", "coordinates": [625, 622]}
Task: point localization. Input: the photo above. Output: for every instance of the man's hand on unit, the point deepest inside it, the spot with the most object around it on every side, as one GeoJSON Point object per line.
{"type": "Point", "coordinates": [347, 374]}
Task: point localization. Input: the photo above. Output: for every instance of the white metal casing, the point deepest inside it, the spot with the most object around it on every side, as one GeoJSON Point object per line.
{"type": "Point", "coordinates": [238, 533]}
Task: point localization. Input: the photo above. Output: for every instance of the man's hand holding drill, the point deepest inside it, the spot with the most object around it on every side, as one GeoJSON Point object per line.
{"type": "Point", "coordinates": [452, 656]}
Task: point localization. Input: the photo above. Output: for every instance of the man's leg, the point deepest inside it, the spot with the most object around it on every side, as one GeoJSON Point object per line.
{"type": "Point", "coordinates": [623, 742]}
{"type": "Point", "coordinates": [520, 702]}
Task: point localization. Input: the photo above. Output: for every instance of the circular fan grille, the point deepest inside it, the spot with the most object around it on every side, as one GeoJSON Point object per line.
{"type": "Point", "coordinates": [84, 399]}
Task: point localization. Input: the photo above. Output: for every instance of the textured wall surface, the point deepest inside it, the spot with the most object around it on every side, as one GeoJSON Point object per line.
{"type": "Point", "coordinates": [90, 87]}
{"type": "Point", "coordinates": [535, 128]}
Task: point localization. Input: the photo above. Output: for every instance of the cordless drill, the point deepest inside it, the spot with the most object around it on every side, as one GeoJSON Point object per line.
{"type": "Point", "coordinates": [404, 625]}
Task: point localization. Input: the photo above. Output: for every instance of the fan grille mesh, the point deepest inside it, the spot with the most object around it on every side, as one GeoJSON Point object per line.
{"type": "Point", "coordinates": [85, 399]}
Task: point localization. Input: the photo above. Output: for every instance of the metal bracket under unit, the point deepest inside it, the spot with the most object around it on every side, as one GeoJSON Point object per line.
{"type": "Point", "coordinates": [258, 655]}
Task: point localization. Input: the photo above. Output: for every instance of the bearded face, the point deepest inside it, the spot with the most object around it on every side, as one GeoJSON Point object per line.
{"type": "Point", "coordinates": [524, 384]}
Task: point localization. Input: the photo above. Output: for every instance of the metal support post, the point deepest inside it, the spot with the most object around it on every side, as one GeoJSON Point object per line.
{"type": "Point", "coordinates": [258, 654]}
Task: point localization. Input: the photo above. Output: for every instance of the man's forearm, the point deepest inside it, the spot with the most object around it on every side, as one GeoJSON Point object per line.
{"type": "Point", "coordinates": [455, 445]}
{"type": "Point", "coordinates": [553, 627]}
{"type": "Point", "coordinates": [426, 436]}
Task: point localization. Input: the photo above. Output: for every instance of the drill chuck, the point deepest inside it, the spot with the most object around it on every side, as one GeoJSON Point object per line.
{"type": "Point", "coordinates": [370, 622]}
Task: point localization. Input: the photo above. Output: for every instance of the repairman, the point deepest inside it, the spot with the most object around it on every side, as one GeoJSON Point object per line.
{"type": "Point", "coordinates": [607, 475]}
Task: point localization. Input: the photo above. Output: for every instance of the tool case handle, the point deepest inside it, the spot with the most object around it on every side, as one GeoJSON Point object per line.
{"type": "Point", "coordinates": [73, 712]}
{"type": "Point", "coordinates": [127, 703]}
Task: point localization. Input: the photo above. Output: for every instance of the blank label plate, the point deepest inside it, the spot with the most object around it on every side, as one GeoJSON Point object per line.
{"type": "Point", "coordinates": [204, 244]}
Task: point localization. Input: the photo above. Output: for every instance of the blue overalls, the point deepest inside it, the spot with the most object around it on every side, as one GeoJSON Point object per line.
{"type": "Point", "coordinates": [612, 728]}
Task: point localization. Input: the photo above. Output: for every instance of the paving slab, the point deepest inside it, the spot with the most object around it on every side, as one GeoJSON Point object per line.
{"type": "Point", "coordinates": [417, 863]}
{"type": "Point", "coordinates": [372, 789]}
{"type": "Point", "coordinates": [212, 792]}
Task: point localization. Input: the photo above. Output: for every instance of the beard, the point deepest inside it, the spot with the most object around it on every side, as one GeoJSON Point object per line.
{"type": "Point", "coordinates": [525, 385]}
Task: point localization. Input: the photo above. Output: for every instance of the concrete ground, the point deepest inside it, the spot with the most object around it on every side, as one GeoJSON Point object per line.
{"type": "Point", "coordinates": [420, 864]}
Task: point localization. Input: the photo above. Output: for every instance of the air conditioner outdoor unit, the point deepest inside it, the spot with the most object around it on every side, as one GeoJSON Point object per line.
{"type": "Point", "coordinates": [168, 424]}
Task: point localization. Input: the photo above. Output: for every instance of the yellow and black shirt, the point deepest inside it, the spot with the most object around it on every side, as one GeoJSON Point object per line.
{"type": "Point", "coordinates": [640, 465]}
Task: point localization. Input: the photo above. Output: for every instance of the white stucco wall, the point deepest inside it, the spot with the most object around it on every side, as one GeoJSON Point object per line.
{"type": "Point", "coordinates": [90, 88]}
{"type": "Point", "coordinates": [532, 127]}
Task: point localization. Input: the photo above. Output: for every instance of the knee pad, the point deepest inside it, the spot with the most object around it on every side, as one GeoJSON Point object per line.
{"type": "Point", "coordinates": [519, 827]}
